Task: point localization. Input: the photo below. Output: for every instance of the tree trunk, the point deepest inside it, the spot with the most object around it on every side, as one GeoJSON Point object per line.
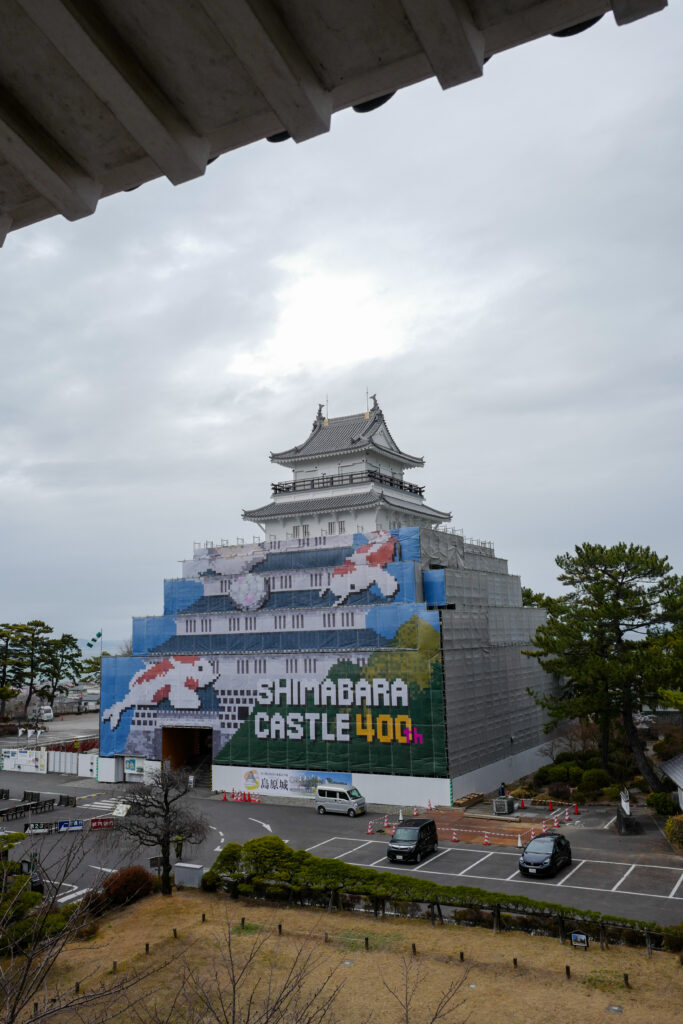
{"type": "Point", "coordinates": [604, 740]}
{"type": "Point", "coordinates": [166, 867]}
{"type": "Point", "coordinates": [634, 742]}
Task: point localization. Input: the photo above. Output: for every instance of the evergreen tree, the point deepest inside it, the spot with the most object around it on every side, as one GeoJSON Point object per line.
{"type": "Point", "coordinates": [10, 666]}
{"type": "Point", "coordinates": [61, 664]}
{"type": "Point", "coordinates": [608, 639]}
{"type": "Point", "coordinates": [30, 651]}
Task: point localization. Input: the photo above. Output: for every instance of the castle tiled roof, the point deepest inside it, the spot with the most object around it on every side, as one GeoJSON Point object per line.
{"type": "Point", "coordinates": [344, 434]}
{"type": "Point", "coordinates": [338, 503]}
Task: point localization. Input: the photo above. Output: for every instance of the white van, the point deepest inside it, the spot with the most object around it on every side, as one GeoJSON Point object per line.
{"type": "Point", "coordinates": [337, 799]}
{"type": "Point", "coordinates": [45, 714]}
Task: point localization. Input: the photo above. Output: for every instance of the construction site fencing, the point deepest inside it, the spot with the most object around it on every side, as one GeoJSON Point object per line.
{"type": "Point", "coordinates": [473, 833]}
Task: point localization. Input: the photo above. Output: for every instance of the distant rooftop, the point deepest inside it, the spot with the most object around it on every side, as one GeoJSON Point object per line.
{"type": "Point", "coordinates": [341, 435]}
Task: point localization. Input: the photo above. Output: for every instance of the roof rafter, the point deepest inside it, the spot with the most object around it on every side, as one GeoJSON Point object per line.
{"type": "Point", "coordinates": [452, 42]}
{"type": "Point", "coordinates": [30, 150]}
{"type": "Point", "coordinates": [276, 64]}
{"type": "Point", "coordinates": [92, 47]}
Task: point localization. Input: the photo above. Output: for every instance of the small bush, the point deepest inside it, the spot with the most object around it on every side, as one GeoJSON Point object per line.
{"type": "Point", "coordinates": [661, 803]}
{"type": "Point", "coordinates": [521, 793]}
{"type": "Point", "coordinates": [670, 745]}
{"type": "Point", "coordinates": [612, 792]}
{"type": "Point", "coordinates": [574, 773]}
{"type": "Point", "coordinates": [593, 762]}
{"type": "Point", "coordinates": [565, 757]}
{"type": "Point", "coordinates": [674, 829]}
{"type": "Point", "coordinates": [559, 790]}
{"type": "Point", "coordinates": [127, 885]}
{"type": "Point", "coordinates": [557, 773]}
{"type": "Point", "coordinates": [638, 782]}
{"type": "Point", "coordinates": [542, 777]}
{"type": "Point", "coordinates": [594, 779]}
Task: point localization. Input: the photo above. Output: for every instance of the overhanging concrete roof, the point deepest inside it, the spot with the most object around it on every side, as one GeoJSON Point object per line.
{"type": "Point", "coordinates": [100, 96]}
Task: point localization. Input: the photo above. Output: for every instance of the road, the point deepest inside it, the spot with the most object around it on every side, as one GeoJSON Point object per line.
{"type": "Point", "coordinates": [629, 876]}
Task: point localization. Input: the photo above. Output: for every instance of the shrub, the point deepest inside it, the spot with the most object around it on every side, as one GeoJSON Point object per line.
{"type": "Point", "coordinates": [127, 885]}
{"type": "Point", "coordinates": [661, 803]}
{"type": "Point", "coordinates": [674, 829]}
{"type": "Point", "coordinates": [542, 777]}
{"type": "Point", "coordinates": [593, 762]}
{"type": "Point", "coordinates": [559, 790]}
{"type": "Point", "coordinates": [670, 745]}
{"type": "Point", "coordinates": [564, 757]}
{"type": "Point", "coordinates": [594, 779]}
{"type": "Point", "coordinates": [522, 792]}
{"type": "Point", "coordinates": [612, 792]}
{"type": "Point", "coordinates": [557, 773]}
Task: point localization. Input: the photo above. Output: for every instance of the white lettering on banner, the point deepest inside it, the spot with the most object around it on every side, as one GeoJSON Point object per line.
{"type": "Point", "coordinates": [343, 724]}
{"type": "Point", "coordinates": [295, 727]}
{"type": "Point", "coordinates": [262, 731]}
{"type": "Point", "coordinates": [345, 695]}
{"type": "Point", "coordinates": [344, 692]}
{"type": "Point", "coordinates": [265, 692]}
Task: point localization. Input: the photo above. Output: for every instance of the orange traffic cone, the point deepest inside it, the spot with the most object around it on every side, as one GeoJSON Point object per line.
{"type": "Point", "coordinates": [576, 808]}
{"type": "Point", "coordinates": [233, 793]}
{"type": "Point", "coordinates": [486, 839]}
{"type": "Point", "coordinates": [521, 804]}
{"type": "Point", "coordinates": [556, 823]}
{"type": "Point", "coordinates": [533, 833]}
{"type": "Point", "coordinates": [429, 804]}
{"type": "Point", "coordinates": [371, 830]}
{"type": "Point", "coordinates": [393, 830]}
{"type": "Point", "coordinates": [550, 805]}
{"type": "Point", "coordinates": [415, 812]}
{"type": "Point", "coordinates": [566, 814]}
{"type": "Point", "coordinates": [545, 828]}
{"type": "Point", "coordinates": [225, 796]}
{"type": "Point", "coordinates": [454, 838]}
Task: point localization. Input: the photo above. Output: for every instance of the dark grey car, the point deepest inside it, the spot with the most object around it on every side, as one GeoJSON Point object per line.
{"type": "Point", "coordinates": [545, 855]}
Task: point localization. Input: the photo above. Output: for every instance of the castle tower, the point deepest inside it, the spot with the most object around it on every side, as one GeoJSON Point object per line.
{"type": "Point", "coordinates": [347, 477]}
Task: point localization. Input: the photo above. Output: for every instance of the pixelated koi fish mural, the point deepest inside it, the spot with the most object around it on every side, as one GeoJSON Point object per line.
{"type": "Point", "coordinates": [174, 679]}
{"type": "Point", "coordinates": [367, 565]}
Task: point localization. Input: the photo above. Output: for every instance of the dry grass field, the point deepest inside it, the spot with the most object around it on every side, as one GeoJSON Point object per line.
{"type": "Point", "coordinates": [491, 989]}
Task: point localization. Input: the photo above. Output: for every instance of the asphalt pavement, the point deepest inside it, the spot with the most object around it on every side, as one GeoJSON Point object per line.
{"type": "Point", "coordinates": [630, 876]}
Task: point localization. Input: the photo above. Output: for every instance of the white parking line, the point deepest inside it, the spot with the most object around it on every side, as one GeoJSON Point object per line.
{"type": "Point", "coordinates": [608, 823]}
{"type": "Point", "coordinates": [432, 859]}
{"type": "Point", "coordinates": [623, 877]}
{"type": "Point", "coordinates": [513, 875]}
{"type": "Point", "coordinates": [676, 887]}
{"type": "Point", "coordinates": [98, 868]}
{"type": "Point", "coordinates": [563, 880]}
{"type": "Point", "coordinates": [465, 870]}
{"type": "Point", "coordinates": [325, 842]}
{"type": "Point", "coordinates": [340, 855]}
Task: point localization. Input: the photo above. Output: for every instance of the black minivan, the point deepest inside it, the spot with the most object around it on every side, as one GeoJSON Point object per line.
{"type": "Point", "coordinates": [413, 839]}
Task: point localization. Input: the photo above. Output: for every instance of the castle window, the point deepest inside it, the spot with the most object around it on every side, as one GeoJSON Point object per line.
{"type": "Point", "coordinates": [341, 526]}
{"type": "Point", "coordinates": [295, 532]}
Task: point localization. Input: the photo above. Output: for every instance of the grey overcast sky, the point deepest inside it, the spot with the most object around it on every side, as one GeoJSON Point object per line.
{"type": "Point", "coordinates": [500, 263]}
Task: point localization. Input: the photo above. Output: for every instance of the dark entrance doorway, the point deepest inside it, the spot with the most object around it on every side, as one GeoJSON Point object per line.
{"type": "Point", "coordinates": [190, 748]}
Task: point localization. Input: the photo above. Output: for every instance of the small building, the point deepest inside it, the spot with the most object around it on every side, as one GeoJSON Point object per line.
{"type": "Point", "coordinates": [362, 640]}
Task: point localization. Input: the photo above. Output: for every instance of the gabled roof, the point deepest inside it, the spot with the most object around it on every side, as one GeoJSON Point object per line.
{"type": "Point", "coordinates": [342, 435]}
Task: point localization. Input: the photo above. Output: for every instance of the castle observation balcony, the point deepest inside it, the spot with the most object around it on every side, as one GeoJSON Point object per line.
{"type": "Point", "coordinates": [345, 480]}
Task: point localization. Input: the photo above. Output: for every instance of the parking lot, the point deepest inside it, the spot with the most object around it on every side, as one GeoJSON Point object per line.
{"type": "Point", "coordinates": [623, 887]}
{"type": "Point", "coordinates": [638, 877]}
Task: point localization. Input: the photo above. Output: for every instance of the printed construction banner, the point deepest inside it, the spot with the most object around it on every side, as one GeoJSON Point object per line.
{"type": "Point", "coordinates": [311, 660]}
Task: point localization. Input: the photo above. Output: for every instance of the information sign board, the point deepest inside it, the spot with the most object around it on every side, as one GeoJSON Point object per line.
{"type": "Point", "coordinates": [96, 823]}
